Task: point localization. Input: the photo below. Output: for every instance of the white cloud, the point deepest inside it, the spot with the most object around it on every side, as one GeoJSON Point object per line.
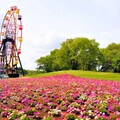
{"type": "Point", "coordinates": [38, 45]}
{"type": "Point", "coordinates": [107, 37]}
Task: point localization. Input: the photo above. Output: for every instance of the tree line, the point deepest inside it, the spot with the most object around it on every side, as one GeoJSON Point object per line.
{"type": "Point", "coordinates": [81, 54]}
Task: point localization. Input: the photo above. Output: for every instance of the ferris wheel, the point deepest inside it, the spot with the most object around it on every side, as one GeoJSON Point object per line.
{"type": "Point", "coordinates": [11, 40]}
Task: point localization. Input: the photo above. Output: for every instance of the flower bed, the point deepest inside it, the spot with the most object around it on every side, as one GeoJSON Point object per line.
{"type": "Point", "coordinates": [60, 97]}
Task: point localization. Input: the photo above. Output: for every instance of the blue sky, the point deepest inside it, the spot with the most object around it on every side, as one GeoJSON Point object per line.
{"type": "Point", "coordinates": [47, 23]}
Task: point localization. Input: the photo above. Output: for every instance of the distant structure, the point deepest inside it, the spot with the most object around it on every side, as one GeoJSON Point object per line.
{"type": "Point", "coordinates": [10, 43]}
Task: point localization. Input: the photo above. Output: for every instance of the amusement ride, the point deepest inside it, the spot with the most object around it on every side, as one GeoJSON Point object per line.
{"type": "Point", "coordinates": [10, 43]}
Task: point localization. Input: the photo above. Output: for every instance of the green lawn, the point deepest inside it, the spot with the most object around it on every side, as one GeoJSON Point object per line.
{"type": "Point", "coordinates": [85, 74]}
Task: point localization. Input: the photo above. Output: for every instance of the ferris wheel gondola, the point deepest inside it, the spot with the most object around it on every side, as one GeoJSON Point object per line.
{"type": "Point", "coordinates": [11, 40]}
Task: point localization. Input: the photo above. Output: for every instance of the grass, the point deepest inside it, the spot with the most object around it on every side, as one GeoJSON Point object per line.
{"type": "Point", "coordinates": [85, 74]}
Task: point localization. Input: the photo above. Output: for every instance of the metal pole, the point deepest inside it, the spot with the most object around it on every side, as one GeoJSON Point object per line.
{"type": "Point", "coordinates": [21, 66]}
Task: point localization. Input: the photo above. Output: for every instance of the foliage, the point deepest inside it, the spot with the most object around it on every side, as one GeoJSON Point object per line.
{"type": "Point", "coordinates": [48, 118]}
{"type": "Point", "coordinates": [111, 58]}
{"type": "Point", "coordinates": [76, 54]}
{"type": "Point", "coordinates": [71, 117]}
{"type": "Point", "coordinates": [47, 63]}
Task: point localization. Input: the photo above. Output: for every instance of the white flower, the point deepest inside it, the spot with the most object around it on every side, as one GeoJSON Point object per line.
{"type": "Point", "coordinates": [90, 111]}
{"type": "Point", "coordinates": [96, 117]}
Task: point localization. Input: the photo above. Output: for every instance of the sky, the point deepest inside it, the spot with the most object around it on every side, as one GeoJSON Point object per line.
{"type": "Point", "coordinates": [47, 23]}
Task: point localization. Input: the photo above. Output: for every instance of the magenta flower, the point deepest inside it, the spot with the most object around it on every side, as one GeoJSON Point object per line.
{"type": "Point", "coordinates": [83, 97]}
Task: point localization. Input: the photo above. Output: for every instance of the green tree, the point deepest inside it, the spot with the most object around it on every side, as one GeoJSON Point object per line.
{"type": "Point", "coordinates": [116, 64]}
{"type": "Point", "coordinates": [111, 57]}
{"type": "Point", "coordinates": [55, 64]}
{"type": "Point", "coordinates": [85, 53]}
{"type": "Point", "coordinates": [45, 63]}
{"type": "Point", "coordinates": [48, 63]}
{"type": "Point", "coordinates": [64, 55]}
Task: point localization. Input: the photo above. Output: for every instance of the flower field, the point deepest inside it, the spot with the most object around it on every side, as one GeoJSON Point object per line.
{"type": "Point", "coordinates": [60, 97]}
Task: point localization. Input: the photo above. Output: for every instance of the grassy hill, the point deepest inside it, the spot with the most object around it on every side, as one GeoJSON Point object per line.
{"type": "Point", "coordinates": [85, 74]}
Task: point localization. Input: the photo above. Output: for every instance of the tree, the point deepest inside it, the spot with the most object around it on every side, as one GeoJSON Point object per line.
{"type": "Point", "coordinates": [55, 64]}
{"type": "Point", "coordinates": [79, 53]}
{"type": "Point", "coordinates": [64, 55]}
{"type": "Point", "coordinates": [116, 64]}
{"type": "Point", "coordinates": [84, 53]}
{"type": "Point", "coordinates": [47, 63]}
{"type": "Point", "coordinates": [111, 57]}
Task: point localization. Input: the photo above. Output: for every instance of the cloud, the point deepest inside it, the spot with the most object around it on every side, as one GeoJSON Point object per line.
{"type": "Point", "coordinates": [38, 45]}
{"type": "Point", "coordinates": [107, 37]}
{"type": "Point", "coordinates": [1, 17]}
